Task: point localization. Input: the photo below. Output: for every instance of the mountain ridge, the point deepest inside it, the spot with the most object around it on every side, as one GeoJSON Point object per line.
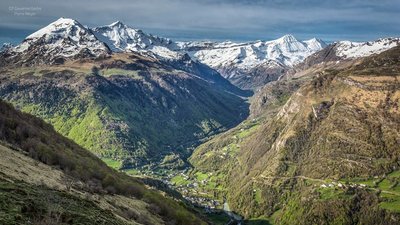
{"type": "Point", "coordinates": [250, 65]}
{"type": "Point", "coordinates": [344, 51]}
{"type": "Point", "coordinates": [248, 62]}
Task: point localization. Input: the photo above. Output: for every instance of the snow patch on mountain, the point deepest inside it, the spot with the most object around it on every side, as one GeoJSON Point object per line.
{"type": "Point", "coordinates": [348, 49]}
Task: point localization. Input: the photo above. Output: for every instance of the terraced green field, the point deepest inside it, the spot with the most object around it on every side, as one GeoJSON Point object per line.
{"type": "Point", "coordinates": [387, 186]}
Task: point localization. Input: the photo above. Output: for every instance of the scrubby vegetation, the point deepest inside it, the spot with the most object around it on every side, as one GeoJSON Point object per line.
{"type": "Point", "coordinates": [338, 125]}
{"type": "Point", "coordinates": [21, 203]}
{"type": "Point", "coordinates": [349, 207]}
{"type": "Point", "coordinates": [42, 142]}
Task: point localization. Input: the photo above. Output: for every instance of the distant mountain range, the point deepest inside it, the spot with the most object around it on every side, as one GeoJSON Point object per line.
{"type": "Point", "coordinates": [251, 65]}
{"type": "Point", "coordinates": [247, 65]}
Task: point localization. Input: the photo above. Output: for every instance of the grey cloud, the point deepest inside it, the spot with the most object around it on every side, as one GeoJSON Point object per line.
{"type": "Point", "coordinates": [226, 19]}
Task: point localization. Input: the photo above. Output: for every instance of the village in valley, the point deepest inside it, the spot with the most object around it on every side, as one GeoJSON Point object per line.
{"type": "Point", "coordinates": [198, 190]}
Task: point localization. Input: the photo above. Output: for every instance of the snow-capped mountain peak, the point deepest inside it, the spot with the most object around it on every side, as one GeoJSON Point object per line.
{"type": "Point", "coordinates": [286, 50]}
{"type": "Point", "coordinates": [122, 38]}
{"type": "Point", "coordinates": [348, 49]}
{"type": "Point", "coordinates": [287, 44]}
{"type": "Point", "coordinates": [315, 44]}
{"type": "Point", "coordinates": [288, 38]}
{"type": "Point", "coordinates": [117, 24]}
{"type": "Point", "coordinates": [63, 38]}
{"type": "Point", "coordinates": [62, 26]}
{"type": "Point", "coordinates": [239, 61]}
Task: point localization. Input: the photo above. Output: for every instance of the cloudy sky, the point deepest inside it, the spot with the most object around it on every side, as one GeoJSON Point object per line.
{"type": "Point", "coordinates": [238, 20]}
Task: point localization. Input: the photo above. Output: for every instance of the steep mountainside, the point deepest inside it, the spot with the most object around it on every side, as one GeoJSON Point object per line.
{"type": "Point", "coordinates": [133, 109]}
{"type": "Point", "coordinates": [251, 65]}
{"type": "Point", "coordinates": [336, 54]}
{"type": "Point", "coordinates": [122, 38]}
{"type": "Point", "coordinates": [128, 107]}
{"type": "Point", "coordinates": [46, 178]}
{"type": "Point", "coordinates": [321, 148]}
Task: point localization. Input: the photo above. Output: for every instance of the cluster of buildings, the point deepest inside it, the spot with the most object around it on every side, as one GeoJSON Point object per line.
{"type": "Point", "coordinates": [341, 185]}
